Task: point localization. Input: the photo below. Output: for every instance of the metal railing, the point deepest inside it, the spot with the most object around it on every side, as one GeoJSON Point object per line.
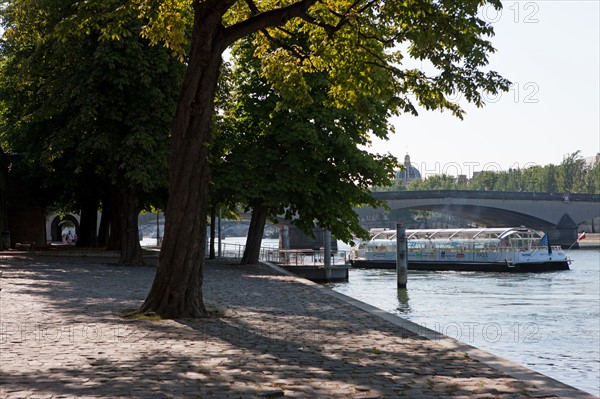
{"type": "Point", "coordinates": [304, 257]}
{"type": "Point", "coordinates": [285, 257]}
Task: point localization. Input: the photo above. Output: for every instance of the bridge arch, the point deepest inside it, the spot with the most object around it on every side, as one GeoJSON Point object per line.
{"type": "Point", "coordinates": [557, 214]}
{"type": "Point", "coordinates": [487, 216]}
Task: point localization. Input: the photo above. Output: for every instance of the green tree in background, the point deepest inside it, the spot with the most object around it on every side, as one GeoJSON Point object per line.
{"type": "Point", "coordinates": [89, 116]}
{"type": "Point", "coordinates": [296, 159]}
{"type": "Point", "coordinates": [435, 182]}
{"type": "Point", "coordinates": [592, 183]}
{"type": "Point", "coordinates": [572, 175]}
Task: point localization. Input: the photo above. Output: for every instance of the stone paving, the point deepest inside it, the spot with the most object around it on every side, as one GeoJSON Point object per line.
{"type": "Point", "coordinates": [60, 337]}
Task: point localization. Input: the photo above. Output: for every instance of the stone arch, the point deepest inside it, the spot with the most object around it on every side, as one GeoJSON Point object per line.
{"type": "Point", "coordinates": [489, 216]}
{"type": "Point", "coordinates": [56, 226]}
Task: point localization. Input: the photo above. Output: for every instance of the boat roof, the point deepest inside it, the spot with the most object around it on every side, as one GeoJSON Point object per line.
{"type": "Point", "coordinates": [464, 234]}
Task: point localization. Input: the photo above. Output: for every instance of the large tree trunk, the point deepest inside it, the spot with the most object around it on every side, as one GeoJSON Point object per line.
{"type": "Point", "coordinates": [255, 234]}
{"type": "Point", "coordinates": [88, 224]}
{"type": "Point", "coordinates": [124, 232]}
{"type": "Point", "coordinates": [131, 251]}
{"type": "Point", "coordinates": [116, 215]}
{"type": "Point", "coordinates": [177, 288]}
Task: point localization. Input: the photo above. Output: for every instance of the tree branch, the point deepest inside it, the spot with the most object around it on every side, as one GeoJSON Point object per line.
{"type": "Point", "coordinates": [271, 18]}
{"type": "Point", "coordinates": [344, 18]}
{"type": "Point", "coordinates": [295, 50]}
{"type": "Point", "coordinates": [278, 17]}
{"type": "Point", "coordinates": [252, 6]}
{"type": "Point", "coordinates": [330, 29]}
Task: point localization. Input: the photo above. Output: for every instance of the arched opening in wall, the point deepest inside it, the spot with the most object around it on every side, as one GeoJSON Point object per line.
{"type": "Point", "coordinates": [65, 229]}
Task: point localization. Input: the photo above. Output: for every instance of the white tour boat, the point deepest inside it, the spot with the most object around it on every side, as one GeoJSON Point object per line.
{"type": "Point", "coordinates": [507, 249]}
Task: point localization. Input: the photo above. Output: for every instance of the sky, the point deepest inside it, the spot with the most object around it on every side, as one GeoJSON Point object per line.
{"type": "Point", "coordinates": [550, 50]}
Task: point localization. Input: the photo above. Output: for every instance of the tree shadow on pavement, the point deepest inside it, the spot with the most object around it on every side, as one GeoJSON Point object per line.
{"type": "Point", "coordinates": [280, 337]}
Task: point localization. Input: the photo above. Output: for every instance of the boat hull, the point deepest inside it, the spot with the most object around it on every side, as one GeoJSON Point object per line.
{"type": "Point", "coordinates": [528, 267]}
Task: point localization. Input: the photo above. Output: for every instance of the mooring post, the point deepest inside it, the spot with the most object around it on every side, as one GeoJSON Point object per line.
{"type": "Point", "coordinates": [285, 232]}
{"type": "Point", "coordinates": [401, 256]}
{"type": "Point", "coordinates": [284, 245]}
{"type": "Point", "coordinates": [327, 254]}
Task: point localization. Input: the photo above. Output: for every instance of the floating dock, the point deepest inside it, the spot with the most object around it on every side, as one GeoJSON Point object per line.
{"type": "Point", "coordinates": [320, 273]}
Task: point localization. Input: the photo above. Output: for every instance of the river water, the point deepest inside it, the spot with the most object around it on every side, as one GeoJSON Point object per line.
{"type": "Point", "coordinates": [548, 322]}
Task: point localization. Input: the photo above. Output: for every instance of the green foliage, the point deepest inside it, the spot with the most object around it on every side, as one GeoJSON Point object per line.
{"type": "Point", "coordinates": [329, 75]}
{"type": "Point", "coordinates": [82, 109]}
{"type": "Point", "coordinates": [366, 48]}
{"type": "Point", "coordinates": [167, 22]}
{"type": "Point", "coordinates": [436, 182]}
{"type": "Point", "coordinates": [592, 179]}
{"type": "Point", "coordinates": [363, 48]}
{"type": "Point", "coordinates": [573, 175]}
{"type": "Point", "coordinates": [303, 161]}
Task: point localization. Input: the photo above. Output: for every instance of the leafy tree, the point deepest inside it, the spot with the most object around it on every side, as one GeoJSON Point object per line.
{"type": "Point", "coordinates": [435, 182]}
{"type": "Point", "coordinates": [571, 173]}
{"type": "Point", "coordinates": [532, 178]}
{"type": "Point", "coordinates": [485, 181]}
{"type": "Point", "coordinates": [397, 185]}
{"type": "Point", "coordinates": [364, 47]}
{"type": "Point", "coordinates": [592, 182]}
{"type": "Point", "coordinates": [548, 177]}
{"type": "Point", "coordinates": [292, 160]}
{"type": "Point", "coordinates": [90, 116]}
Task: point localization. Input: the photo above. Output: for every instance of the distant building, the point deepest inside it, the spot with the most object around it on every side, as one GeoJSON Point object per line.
{"type": "Point", "coordinates": [409, 174]}
{"type": "Point", "coordinates": [590, 161]}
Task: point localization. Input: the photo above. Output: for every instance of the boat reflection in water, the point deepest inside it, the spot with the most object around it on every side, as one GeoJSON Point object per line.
{"type": "Point", "coordinates": [507, 249]}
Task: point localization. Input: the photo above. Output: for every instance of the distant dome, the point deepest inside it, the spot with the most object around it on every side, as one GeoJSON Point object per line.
{"type": "Point", "coordinates": [410, 173]}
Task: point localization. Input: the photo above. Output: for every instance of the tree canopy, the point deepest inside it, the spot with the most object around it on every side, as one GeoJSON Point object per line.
{"type": "Point", "coordinates": [89, 117]}
{"type": "Point", "coordinates": [301, 161]}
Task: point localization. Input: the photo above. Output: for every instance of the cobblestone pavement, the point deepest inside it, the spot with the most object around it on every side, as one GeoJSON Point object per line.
{"type": "Point", "coordinates": [280, 337]}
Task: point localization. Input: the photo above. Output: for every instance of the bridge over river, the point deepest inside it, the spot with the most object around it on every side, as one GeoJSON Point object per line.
{"type": "Point", "coordinates": [557, 214]}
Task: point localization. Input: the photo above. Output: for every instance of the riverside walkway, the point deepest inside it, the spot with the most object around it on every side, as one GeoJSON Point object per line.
{"type": "Point", "coordinates": [280, 336]}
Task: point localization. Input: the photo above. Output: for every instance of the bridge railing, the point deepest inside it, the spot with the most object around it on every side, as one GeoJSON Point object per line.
{"type": "Point", "coordinates": [509, 195]}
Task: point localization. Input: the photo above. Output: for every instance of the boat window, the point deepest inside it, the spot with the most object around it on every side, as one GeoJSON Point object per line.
{"type": "Point", "coordinates": [460, 240]}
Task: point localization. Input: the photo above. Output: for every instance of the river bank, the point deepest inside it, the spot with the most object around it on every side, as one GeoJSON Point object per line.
{"type": "Point", "coordinates": [591, 241]}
